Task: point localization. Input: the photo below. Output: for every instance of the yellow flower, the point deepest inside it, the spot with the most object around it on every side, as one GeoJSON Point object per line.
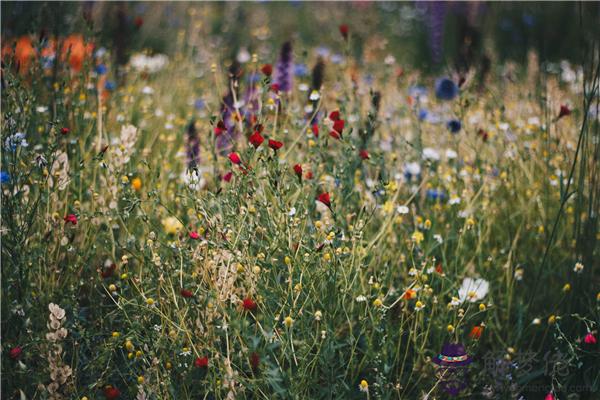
{"type": "Point", "coordinates": [116, 334]}
{"type": "Point", "coordinates": [417, 237]}
{"type": "Point", "coordinates": [288, 321]}
{"type": "Point", "coordinates": [140, 379]}
{"type": "Point", "coordinates": [552, 319]}
{"type": "Point", "coordinates": [129, 345]}
{"type": "Point", "coordinates": [364, 386]}
{"type": "Point", "coordinates": [149, 301]}
{"type": "Point", "coordinates": [482, 307]}
{"type": "Point", "coordinates": [419, 305]}
{"type": "Point", "coordinates": [450, 328]}
{"type": "Point", "coordinates": [567, 287]}
{"type": "Point", "coordinates": [172, 225]}
{"type": "Point", "coordinates": [112, 288]}
{"type": "Point", "coordinates": [287, 260]}
{"type": "Point", "coordinates": [136, 184]}
{"type": "Point", "coordinates": [388, 207]}
{"type": "Point", "coordinates": [377, 302]}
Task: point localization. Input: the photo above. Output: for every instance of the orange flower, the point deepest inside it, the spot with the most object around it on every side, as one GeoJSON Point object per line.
{"type": "Point", "coordinates": [24, 52]}
{"type": "Point", "coordinates": [409, 294]}
{"type": "Point", "coordinates": [476, 332]}
{"type": "Point", "coordinates": [76, 49]}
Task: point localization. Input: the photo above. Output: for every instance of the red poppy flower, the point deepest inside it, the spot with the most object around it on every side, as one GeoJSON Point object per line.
{"type": "Point", "coordinates": [275, 145]}
{"type": "Point", "coordinates": [227, 177]}
{"type": "Point", "coordinates": [194, 235]}
{"type": "Point", "coordinates": [267, 69]}
{"type": "Point", "coordinates": [201, 362]}
{"type": "Point", "coordinates": [235, 158]}
{"type": "Point", "coordinates": [249, 304]}
{"type": "Point", "coordinates": [65, 131]}
{"type": "Point", "coordinates": [564, 111]}
{"type": "Point", "coordinates": [256, 139]}
{"type": "Point", "coordinates": [186, 293]}
{"type": "Point", "coordinates": [298, 170]}
{"type": "Point", "coordinates": [220, 128]}
{"type": "Point", "coordinates": [138, 22]}
{"type": "Point", "coordinates": [254, 360]}
{"type": "Point", "coordinates": [275, 87]}
{"type": "Point", "coordinates": [15, 352]}
{"type": "Point", "coordinates": [325, 199]}
{"type": "Point", "coordinates": [315, 130]}
{"type": "Point", "coordinates": [476, 332]}
{"type": "Point", "coordinates": [309, 175]}
{"type": "Point", "coordinates": [364, 154]}
{"type": "Point", "coordinates": [344, 31]}
{"type": "Point", "coordinates": [334, 115]}
{"type": "Point", "coordinates": [71, 218]}
{"type": "Point", "coordinates": [439, 269]}
{"type": "Point", "coordinates": [111, 393]}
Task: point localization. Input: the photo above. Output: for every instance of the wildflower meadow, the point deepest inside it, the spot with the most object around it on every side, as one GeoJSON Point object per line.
{"type": "Point", "coordinates": [300, 201]}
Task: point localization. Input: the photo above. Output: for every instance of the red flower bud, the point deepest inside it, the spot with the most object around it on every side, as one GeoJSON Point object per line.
{"type": "Point", "coordinates": [65, 131]}
{"type": "Point", "coordinates": [364, 154]}
{"type": "Point", "coordinates": [275, 145]}
{"type": "Point", "coordinates": [249, 304]}
{"type": "Point", "coordinates": [315, 130]}
{"type": "Point", "coordinates": [235, 158]}
{"type": "Point", "coordinates": [201, 362]}
{"type": "Point", "coordinates": [227, 177]}
{"type": "Point", "coordinates": [111, 393]}
{"type": "Point", "coordinates": [256, 139]}
{"type": "Point", "coordinates": [298, 170]}
{"type": "Point", "coordinates": [325, 199]}
{"type": "Point", "coordinates": [186, 293]}
{"type": "Point", "coordinates": [564, 111]}
{"type": "Point", "coordinates": [267, 69]}
{"type": "Point", "coordinates": [219, 128]}
{"type": "Point", "coordinates": [15, 352]}
{"type": "Point", "coordinates": [590, 338]}
{"type": "Point", "coordinates": [334, 115]}
{"type": "Point", "coordinates": [138, 22]}
{"type": "Point", "coordinates": [344, 31]}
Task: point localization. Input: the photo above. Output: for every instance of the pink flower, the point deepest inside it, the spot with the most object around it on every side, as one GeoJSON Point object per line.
{"type": "Point", "coordinates": [72, 218]}
{"type": "Point", "coordinates": [590, 338]}
{"type": "Point", "coordinates": [194, 235]}
{"type": "Point", "coordinates": [549, 396]}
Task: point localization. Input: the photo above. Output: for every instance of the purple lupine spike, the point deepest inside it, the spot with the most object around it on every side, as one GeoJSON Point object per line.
{"type": "Point", "coordinates": [435, 17]}
{"type": "Point", "coordinates": [284, 69]}
{"type": "Point", "coordinates": [192, 146]}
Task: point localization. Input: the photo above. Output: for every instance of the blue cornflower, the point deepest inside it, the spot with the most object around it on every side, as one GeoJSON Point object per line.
{"type": "Point", "coordinates": [101, 69]}
{"type": "Point", "coordinates": [110, 85]}
{"type": "Point", "coordinates": [436, 194]}
{"type": "Point", "coordinates": [4, 177]}
{"type": "Point", "coordinates": [445, 89]}
{"type": "Point", "coordinates": [454, 125]}
{"type": "Point", "coordinates": [301, 70]}
{"type": "Point", "coordinates": [199, 104]}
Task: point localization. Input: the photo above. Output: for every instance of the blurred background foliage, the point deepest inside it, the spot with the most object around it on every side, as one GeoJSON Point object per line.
{"type": "Point", "coordinates": [411, 31]}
